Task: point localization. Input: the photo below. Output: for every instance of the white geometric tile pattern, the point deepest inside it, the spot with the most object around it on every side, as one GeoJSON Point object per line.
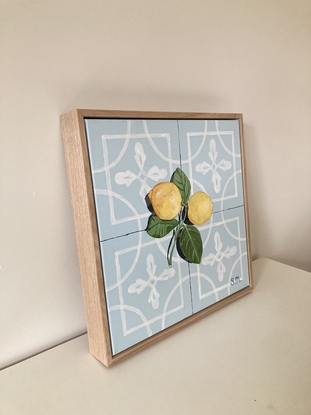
{"type": "Point", "coordinates": [128, 157]}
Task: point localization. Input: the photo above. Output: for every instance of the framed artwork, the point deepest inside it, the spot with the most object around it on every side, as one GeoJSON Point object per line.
{"type": "Point", "coordinates": [161, 219]}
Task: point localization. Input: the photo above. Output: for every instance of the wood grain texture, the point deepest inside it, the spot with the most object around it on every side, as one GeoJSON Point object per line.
{"type": "Point", "coordinates": [155, 115]}
{"type": "Point", "coordinates": [79, 177]}
{"type": "Point", "coordinates": [247, 225]}
{"type": "Point", "coordinates": [83, 205]}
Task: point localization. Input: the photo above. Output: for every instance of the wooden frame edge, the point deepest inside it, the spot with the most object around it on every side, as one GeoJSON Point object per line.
{"type": "Point", "coordinates": [245, 194]}
{"type": "Point", "coordinates": [87, 113]}
{"type": "Point", "coordinates": [79, 179]}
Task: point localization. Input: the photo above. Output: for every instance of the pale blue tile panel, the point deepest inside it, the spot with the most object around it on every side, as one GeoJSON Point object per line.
{"type": "Point", "coordinates": [210, 156]}
{"type": "Point", "coordinates": [144, 295]}
{"type": "Point", "coordinates": [128, 157]}
{"type": "Point", "coordinates": [224, 266]}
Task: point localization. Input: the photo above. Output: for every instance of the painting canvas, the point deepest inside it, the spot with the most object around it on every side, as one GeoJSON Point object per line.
{"type": "Point", "coordinates": [166, 198]}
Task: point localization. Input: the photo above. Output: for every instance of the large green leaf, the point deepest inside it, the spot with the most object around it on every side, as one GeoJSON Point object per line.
{"type": "Point", "coordinates": [157, 228]}
{"type": "Point", "coordinates": [190, 243]}
{"type": "Point", "coordinates": [183, 184]}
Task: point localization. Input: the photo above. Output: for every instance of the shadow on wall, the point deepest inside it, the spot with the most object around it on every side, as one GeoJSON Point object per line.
{"type": "Point", "coordinates": [294, 241]}
{"type": "Point", "coordinates": [257, 209]}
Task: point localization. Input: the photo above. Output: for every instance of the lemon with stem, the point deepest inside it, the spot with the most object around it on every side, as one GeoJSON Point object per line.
{"type": "Point", "coordinates": [165, 199]}
{"type": "Point", "coordinates": [200, 208]}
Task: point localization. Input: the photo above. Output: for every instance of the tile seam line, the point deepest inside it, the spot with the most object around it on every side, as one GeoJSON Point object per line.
{"type": "Point", "coordinates": [144, 230]}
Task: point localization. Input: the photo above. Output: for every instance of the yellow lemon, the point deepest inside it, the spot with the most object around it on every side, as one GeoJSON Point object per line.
{"type": "Point", "coordinates": [200, 208]}
{"type": "Point", "coordinates": [165, 198]}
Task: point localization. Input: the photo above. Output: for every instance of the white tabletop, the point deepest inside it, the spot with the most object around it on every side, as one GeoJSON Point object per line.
{"type": "Point", "coordinates": [251, 357]}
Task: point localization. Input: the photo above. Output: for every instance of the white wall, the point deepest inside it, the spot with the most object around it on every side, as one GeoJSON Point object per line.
{"type": "Point", "coordinates": [244, 56]}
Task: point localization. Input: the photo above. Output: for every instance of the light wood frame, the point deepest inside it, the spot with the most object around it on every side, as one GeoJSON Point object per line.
{"type": "Point", "coordinates": [86, 228]}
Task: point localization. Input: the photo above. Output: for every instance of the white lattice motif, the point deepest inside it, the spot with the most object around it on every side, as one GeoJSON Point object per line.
{"type": "Point", "coordinates": [154, 173]}
{"type": "Point", "coordinates": [139, 286]}
{"type": "Point", "coordinates": [219, 256]}
{"type": "Point", "coordinates": [219, 166]}
{"type": "Point", "coordinates": [146, 178]}
{"type": "Point", "coordinates": [214, 166]}
{"type": "Point", "coordinates": [162, 306]}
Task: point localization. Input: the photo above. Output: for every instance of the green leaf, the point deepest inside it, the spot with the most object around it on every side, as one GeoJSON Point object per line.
{"type": "Point", "coordinates": [183, 184]}
{"type": "Point", "coordinates": [157, 228]}
{"type": "Point", "coordinates": [190, 243]}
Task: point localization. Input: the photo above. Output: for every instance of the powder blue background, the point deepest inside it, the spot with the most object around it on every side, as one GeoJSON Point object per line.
{"type": "Point", "coordinates": [128, 157]}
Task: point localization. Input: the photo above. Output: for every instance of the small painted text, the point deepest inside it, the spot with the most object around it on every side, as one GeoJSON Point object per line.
{"type": "Point", "coordinates": [235, 280]}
